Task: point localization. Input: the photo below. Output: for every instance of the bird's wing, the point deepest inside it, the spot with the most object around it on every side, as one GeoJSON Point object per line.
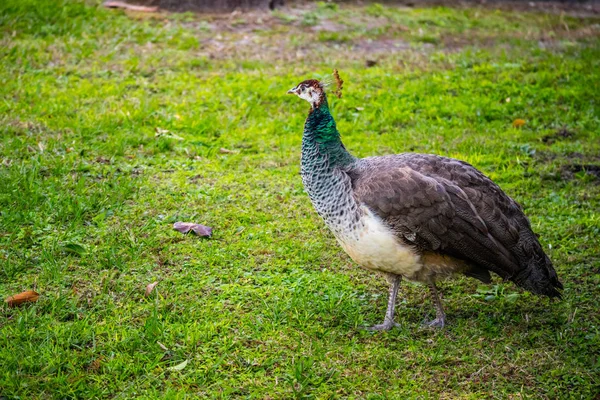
{"type": "Point", "coordinates": [421, 200]}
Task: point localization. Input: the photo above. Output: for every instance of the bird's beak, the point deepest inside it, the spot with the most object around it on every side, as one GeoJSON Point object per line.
{"type": "Point", "coordinates": [292, 90]}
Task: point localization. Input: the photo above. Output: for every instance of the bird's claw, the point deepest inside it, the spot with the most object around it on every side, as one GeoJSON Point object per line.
{"type": "Point", "coordinates": [386, 326]}
{"type": "Point", "coordinates": [436, 323]}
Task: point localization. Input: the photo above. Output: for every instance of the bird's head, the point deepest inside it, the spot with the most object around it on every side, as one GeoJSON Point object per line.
{"type": "Point", "coordinates": [310, 90]}
{"type": "Point", "coordinates": [313, 90]}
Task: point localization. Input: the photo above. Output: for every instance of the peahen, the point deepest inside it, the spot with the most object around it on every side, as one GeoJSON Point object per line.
{"type": "Point", "coordinates": [417, 216]}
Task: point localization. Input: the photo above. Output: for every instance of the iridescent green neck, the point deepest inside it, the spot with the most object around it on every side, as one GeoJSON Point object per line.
{"type": "Point", "coordinates": [324, 170]}
{"type": "Point", "coordinates": [321, 133]}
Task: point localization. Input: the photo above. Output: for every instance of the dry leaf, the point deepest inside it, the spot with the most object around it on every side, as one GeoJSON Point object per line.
{"type": "Point", "coordinates": [24, 297]}
{"type": "Point", "coordinates": [223, 150]}
{"type": "Point", "coordinates": [102, 160]}
{"type": "Point", "coordinates": [517, 123]}
{"type": "Point", "coordinates": [130, 7]}
{"type": "Point", "coordinates": [95, 365]}
{"type": "Point", "coordinates": [180, 366]}
{"type": "Point", "coordinates": [185, 227]}
{"type": "Point", "coordinates": [150, 288]}
{"type": "Point", "coordinates": [162, 346]}
{"type": "Point", "coordinates": [165, 133]}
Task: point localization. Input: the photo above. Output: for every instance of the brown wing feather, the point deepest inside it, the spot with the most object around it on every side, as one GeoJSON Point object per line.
{"type": "Point", "coordinates": [448, 206]}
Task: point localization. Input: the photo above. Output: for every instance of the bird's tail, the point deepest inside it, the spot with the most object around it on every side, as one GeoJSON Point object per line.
{"type": "Point", "coordinates": [539, 277]}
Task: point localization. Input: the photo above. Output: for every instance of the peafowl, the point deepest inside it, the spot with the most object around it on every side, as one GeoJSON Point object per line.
{"type": "Point", "coordinates": [417, 216]}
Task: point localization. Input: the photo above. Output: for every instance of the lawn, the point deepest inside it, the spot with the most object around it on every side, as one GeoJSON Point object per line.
{"type": "Point", "coordinates": [115, 125]}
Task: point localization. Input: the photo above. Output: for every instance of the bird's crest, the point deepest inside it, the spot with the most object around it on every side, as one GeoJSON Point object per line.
{"type": "Point", "coordinates": [338, 84]}
{"type": "Point", "coordinates": [334, 79]}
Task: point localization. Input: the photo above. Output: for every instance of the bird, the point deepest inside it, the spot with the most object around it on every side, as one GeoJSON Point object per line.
{"type": "Point", "coordinates": [421, 217]}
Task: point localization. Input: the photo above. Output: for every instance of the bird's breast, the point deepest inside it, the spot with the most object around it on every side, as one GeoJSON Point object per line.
{"type": "Point", "coordinates": [373, 245]}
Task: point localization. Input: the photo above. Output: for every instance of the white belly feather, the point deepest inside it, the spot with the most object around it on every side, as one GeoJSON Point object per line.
{"type": "Point", "coordinates": [374, 246]}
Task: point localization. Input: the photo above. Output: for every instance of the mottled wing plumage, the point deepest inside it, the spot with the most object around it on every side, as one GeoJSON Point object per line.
{"type": "Point", "coordinates": [446, 206]}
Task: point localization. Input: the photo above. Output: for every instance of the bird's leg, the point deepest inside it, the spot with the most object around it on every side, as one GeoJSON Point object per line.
{"type": "Point", "coordinates": [440, 316]}
{"type": "Point", "coordinates": [388, 322]}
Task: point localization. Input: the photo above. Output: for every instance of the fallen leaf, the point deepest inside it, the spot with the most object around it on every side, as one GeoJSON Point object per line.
{"type": "Point", "coordinates": [102, 160]}
{"type": "Point", "coordinates": [150, 288]}
{"type": "Point", "coordinates": [162, 346]}
{"type": "Point", "coordinates": [223, 150]}
{"type": "Point", "coordinates": [179, 366]}
{"type": "Point", "coordinates": [517, 123]}
{"type": "Point", "coordinates": [130, 7]}
{"type": "Point", "coordinates": [24, 297]}
{"type": "Point", "coordinates": [370, 63]}
{"type": "Point", "coordinates": [95, 365]}
{"type": "Point", "coordinates": [165, 133]}
{"type": "Point", "coordinates": [185, 227]}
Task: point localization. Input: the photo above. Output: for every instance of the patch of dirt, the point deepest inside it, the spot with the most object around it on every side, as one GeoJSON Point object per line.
{"type": "Point", "coordinates": [328, 26]}
{"type": "Point", "coordinates": [374, 46]}
{"type": "Point", "coordinates": [570, 164]}
{"type": "Point", "coordinates": [457, 42]}
{"type": "Point", "coordinates": [569, 171]}
{"type": "Point", "coordinates": [211, 5]}
{"type": "Point", "coordinates": [549, 42]}
{"type": "Point", "coordinates": [299, 32]}
{"type": "Point", "coordinates": [27, 127]}
{"type": "Point", "coordinates": [561, 134]}
{"type": "Point", "coordinates": [571, 8]}
{"type": "Point", "coordinates": [287, 47]}
{"type": "Point", "coordinates": [577, 8]}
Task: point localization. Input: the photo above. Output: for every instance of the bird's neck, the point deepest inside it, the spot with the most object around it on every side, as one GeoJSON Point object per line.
{"type": "Point", "coordinates": [321, 138]}
{"type": "Point", "coordinates": [325, 166]}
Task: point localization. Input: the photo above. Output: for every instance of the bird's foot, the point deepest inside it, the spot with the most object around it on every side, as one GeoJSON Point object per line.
{"type": "Point", "coordinates": [386, 326]}
{"type": "Point", "coordinates": [436, 323]}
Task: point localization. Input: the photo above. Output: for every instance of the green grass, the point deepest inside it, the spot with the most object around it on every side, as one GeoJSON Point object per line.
{"type": "Point", "coordinates": [270, 306]}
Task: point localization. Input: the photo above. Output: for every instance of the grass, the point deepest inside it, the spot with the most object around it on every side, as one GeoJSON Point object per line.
{"type": "Point", "coordinates": [270, 306]}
